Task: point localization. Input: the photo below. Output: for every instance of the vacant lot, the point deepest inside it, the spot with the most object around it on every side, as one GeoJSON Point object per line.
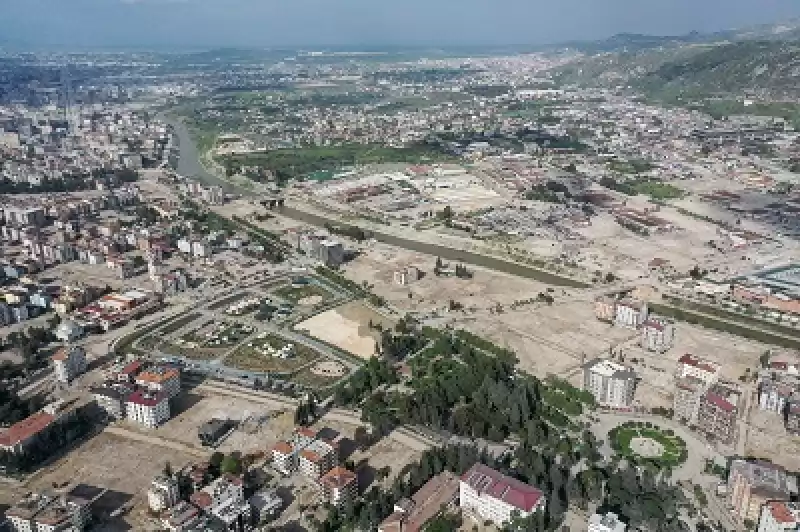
{"type": "Point", "coordinates": [347, 327]}
{"type": "Point", "coordinates": [115, 463]}
{"type": "Point", "coordinates": [267, 425]}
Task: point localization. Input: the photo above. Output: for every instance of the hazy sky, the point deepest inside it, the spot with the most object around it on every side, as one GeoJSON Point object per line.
{"type": "Point", "coordinates": [198, 23]}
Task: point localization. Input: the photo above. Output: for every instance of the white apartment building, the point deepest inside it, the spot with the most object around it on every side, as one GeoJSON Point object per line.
{"type": "Point", "coordinates": [779, 517]}
{"type": "Point", "coordinates": [610, 383]}
{"type": "Point", "coordinates": [606, 523]}
{"type": "Point", "coordinates": [161, 379]}
{"type": "Point", "coordinates": [317, 458]}
{"type": "Point", "coordinates": [224, 499]}
{"type": "Point", "coordinates": [491, 496]}
{"type": "Point", "coordinates": [68, 363]}
{"type": "Point", "coordinates": [692, 366]}
{"type": "Point", "coordinates": [163, 493]}
{"type": "Point", "coordinates": [148, 408]}
{"type": "Point", "coordinates": [630, 313]}
{"type": "Point", "coordinates": [339, 486]}
{"type": "Point", "coordinates": [658, 334]}
{"type": "Point", "coordinates": [285, 455]}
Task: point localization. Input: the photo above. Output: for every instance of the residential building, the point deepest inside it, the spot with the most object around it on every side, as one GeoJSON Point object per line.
{"type": "Point", "coordinates": [610, 383]}
{"type": "Point", "coordinates": [774, 394]}
{"type": "Point", "coordinates": [407, 275]}
{"type": "Point", "coordinates": [606, 523]}
{"type": "Point", "coordinates": [69, 512]}
{"type": "Point", "coordinates": [285, 455]}
{"type": "Point", "coordinates": [686, 401]}
{"type": "Point", "coordinates": [22, 433]}
{"type": "Point", "coordinates": [68, 363]}
{"type": "Point", "coordinates": [181, 517]}
{"type": "Point", "coordinates": [317, 458]}
{"type": "Point", "coordinates": [150, 409]}
{"type": "Point", "coordinates": [717, 413]}
{"type": "Point", "coordinates": [224, 500]}
{"type": "Point", "coordinates": [630, 313]}
{"type": "Point", "coordinates": [692, 366]}
{"type": "Point", "coordinates": [69, 331]}
{"type": "Point", "coordinates": [658, 334]}
{"type": "Point", "coordinates": [793, 416]}
{"type": "Point", "coordinates": [753, 484]}
{"type": "Point", "coordinates": [492, 496]}
{"type": "Point", "coordinates": [163, 493]}
{"type": "Point", "coordinates": [779, 516]}
{"type": "Point", "coordinates": [339, 486]}
{"type": "Point", "coordinates": [112, 399]}
{"type": "Point", "coordinates": [605, 309]}
{"type": "Point", "coordinates": [265, 504]}
{"type": "Point", "coordinates": [161, 379]}
{"type": "Point", "coordinates": [411, 515]}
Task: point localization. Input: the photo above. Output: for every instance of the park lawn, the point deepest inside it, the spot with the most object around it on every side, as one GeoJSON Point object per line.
{"type": "Point", "coordinates": [249, 359]}
{"type": "Point", "coordinates": [657, 190]}
{"type": "Point", "coordinates": [673, 445]}
{"type": "Point", "coordinates": [295, 294]}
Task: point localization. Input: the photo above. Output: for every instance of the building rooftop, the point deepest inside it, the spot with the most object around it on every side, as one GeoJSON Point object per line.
{"type": "Point", "coordinates": [425, 504]}
{"type": "Point", "coordinates": [486, 480]}
{"type": "Point", "coordinates": [22, 430]}
{"type": "Point", "coordinates": [158, 375]}
{"type": "Point", "coordinates": [768, 479]}
{"type": "Point", "coordinates": [338, 477]}
{"type": "Point", "coordinates": [609, 368]}
{"type": "Point", "coordinates": [144, 398]}
{"type": "Point", "coordinates": [699, 363]}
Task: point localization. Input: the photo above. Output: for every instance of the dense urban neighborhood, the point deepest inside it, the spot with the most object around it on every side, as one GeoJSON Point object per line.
{"type": "Point", "coordinates": [418, 290]}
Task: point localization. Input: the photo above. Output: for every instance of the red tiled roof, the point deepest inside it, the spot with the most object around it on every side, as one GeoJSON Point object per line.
{"type": "Point", "coordinates": [338, 477]}
{"type": "Point", "coordinates": [720, 402]}
{"type": "Point", "coordinates": [509, 490]}
{"type": "Point", "coordinates": [781, 513]}
{"type": "Point", "coordinates": [693, 361]}
{"type": "Point", "coordinates": [140, 397]}
{"type": "Point", "coordinates": [132, 368]}
{"type": "Point", "coordinates": [61, 354]}
{"type": "Point", "coordinates": [22, 430]}
{"type": "Point", "coordinates": [201, 499]}
{"type": "Point", "coordinates": [283, 447]}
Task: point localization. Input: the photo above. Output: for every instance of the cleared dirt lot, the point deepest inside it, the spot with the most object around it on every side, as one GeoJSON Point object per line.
{"type": "Point", "coordinates": [346, 327]}
{"type": "Point", "coordinates": [201, 407]}
{"type": "Point", "coordinates": [377, 264]}
{"type": "Point", "coordinates": [115, 463]}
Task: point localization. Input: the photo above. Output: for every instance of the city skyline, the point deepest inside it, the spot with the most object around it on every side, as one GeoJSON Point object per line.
{"type": "Point", "coordinates": [251, 23]}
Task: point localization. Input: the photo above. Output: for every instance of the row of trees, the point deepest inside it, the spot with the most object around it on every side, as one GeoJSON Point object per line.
{"type": "Point", "coordinates": [51, 440]}
{"type": "Point", "coordinates": [475, 392]}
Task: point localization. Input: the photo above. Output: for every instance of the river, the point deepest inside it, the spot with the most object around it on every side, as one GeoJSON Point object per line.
{"type": "Point", "coordinates": [189, 166]}
{"type": "Point", "coordinates": [189, 160]}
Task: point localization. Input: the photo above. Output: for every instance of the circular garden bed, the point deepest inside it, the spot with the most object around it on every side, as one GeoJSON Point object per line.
{"type": "Point", "coordinates": [642, 442]}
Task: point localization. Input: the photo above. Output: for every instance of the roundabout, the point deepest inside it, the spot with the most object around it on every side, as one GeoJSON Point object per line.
{"type": "Point", "coordinates": [646, 442]}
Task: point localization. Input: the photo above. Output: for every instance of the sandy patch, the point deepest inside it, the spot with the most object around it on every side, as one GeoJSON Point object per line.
{"type": "Point", "coordinates": [647, 447]}
{"type": "Point", "coordinates": [310, 301]}
{"type": "Point", "coordinates": [346, 327]}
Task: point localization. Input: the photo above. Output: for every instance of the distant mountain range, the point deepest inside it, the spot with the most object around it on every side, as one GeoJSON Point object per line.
{"type": "Point", "coordinates": [761, 58]}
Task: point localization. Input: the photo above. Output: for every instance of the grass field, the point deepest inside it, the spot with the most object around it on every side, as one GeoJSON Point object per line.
{"type": "Point", "coordinates": [250, 358]}
{"type": "Point", "coordinates": [297, 294]}
{"type": "Point", "coordinates": [308, 378]}
{"type": "Point", "coordinates": [674, 447]}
